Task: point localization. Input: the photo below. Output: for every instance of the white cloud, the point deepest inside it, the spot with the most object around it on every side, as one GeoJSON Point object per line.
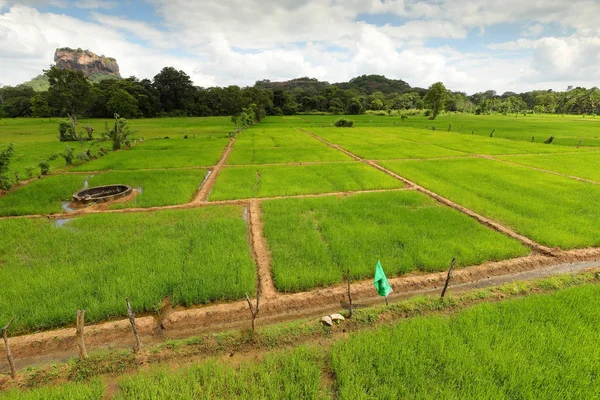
{"type": "Point", "coordinates": [96, 4]}
{"type": "Point", "coordinates": [241, 41]}
{"type": "Point", "coordinates": [533, 30]}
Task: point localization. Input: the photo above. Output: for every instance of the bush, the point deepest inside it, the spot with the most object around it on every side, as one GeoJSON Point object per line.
{"type": "Point", "coordinates": [344, 123]}
{"type": "Point", "coordinates": [5, 157]}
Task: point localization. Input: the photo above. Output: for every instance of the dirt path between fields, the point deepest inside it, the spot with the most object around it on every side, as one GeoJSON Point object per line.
{"type": "Point", "coordinates": [480, 218]}
{"type": "Point", "coordinates": [207, 184]}
{"type": "Point", "coordinates": [260, 252]}
{"type": "Point", "coordinates": [59, 345]}
{"type": "Point", "coordinates": [540, 169]}
{"type": "Point", "coordinates": [101, 209]}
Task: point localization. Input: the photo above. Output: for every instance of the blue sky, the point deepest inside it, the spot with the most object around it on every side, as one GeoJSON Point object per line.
{"type": "Point", "coordinates": [471, 45]}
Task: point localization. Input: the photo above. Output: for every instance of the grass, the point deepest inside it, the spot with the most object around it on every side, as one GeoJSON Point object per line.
{"type": "Point", "coordinates": [285, 375]}
{"type": "Point", "coordinates": [475, 144]}
{"type": "Point", "coordinates": [71, 391]}
{"type": "Point", "coordinates": [568, 130]}
{"type": "Point", "coordinates": [93, 262]}
{"type": "Point", "coordinates": [313, 241]}
{"type": "Point", "coordinates": [155, 188]}
{"type": "Point", "coordinates": [372, 145]}
{"type": "Point", "coordinates": [270, 135]}
{"type": "Point", "coordinates": [277, 155]}
{"type": "Point", "coordinates": [541, 347]}
{"type": "Point", "coordinates": [162, 153]}
{"type": "Point", "coordinates": [586, 165]}
{"type": "Point", "coordinates": [485, 330]}
{"type": "Point", "coordinates": [552, 210]}
{"type": "Point", "coordinates": [36, 139]}
{"type": "Point", "coordinates": [268, 181]}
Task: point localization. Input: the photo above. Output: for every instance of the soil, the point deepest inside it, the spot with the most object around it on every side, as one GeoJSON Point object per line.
{"type": "Point", "coordinates": [204, 191]}
{"type": "Point", "coordinates": [260, 252]}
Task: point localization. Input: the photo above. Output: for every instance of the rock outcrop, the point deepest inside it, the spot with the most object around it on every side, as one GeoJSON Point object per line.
{"type": "Point", "coordinates": [87, 62]}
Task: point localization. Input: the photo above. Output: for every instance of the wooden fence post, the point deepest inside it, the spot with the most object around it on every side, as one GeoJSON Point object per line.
{"type": "Point", "coordinates": [79, 332]}
{"type": "Point", "coordinates": [448, 277]}
{"type": "Point", "coordinates": [254, 309]}
{"type": "Point", "coordinates": [138, 344]}
{"type": "Point", "coordinates": [11, 361]}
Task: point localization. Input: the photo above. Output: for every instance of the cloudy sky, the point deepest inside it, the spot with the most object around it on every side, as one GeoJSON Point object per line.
{"type": "Point", "coordinates": [470, 45]}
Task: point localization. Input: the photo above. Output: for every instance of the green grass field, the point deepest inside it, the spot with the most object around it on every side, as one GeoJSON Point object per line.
{"type": "Point", "coordinates": [286, 375]}
{"type": "Point", "coordinates": [70, 391]}
{"type": "Point", "coordinates": [94, 262]}
{"type": "Point", "coordinates": [553, 210]}
{"type": "Point", "coordinates": [568, 130]}
{"type": "Point", "coordinates": [36, 139]}
{"type": "Point", "coordinates": [541, 347]}
{"type": "Point", "coordinates": [585, 165]}
{"type": "Point", "coordinates": [285, 180]}
{"type": "Point", "coordinates": [162, 153]}
{"type": "Point", "coordinates": [276, 155]}
{"type": "Point", "coordinates": [155, 188]}
{"type": "Point", "coordinates": [314, 241]}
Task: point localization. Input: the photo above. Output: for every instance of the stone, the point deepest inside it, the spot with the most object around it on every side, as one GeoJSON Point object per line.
{"type": "Point", "coordinates": [326, 320]}
{"type": "Point", "coordinates": [337, 317]}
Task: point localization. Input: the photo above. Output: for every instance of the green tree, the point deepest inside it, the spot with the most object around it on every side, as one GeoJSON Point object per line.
{"type": "Point", "coordinates": [118, 133]}
{"type": "Point", "coordinates": [436, 98]}
{"type": "Point", "coordinates": [40, 107]}
{"type": "Point", "coordinates": [122, 103]}
{"type": "Point", "coordinates": [69, 92]}
{"type": "Point", "coordinates": [175, 88]}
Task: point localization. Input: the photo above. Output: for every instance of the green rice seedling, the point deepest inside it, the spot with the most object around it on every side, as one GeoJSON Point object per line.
{"type": "Point", "coordinates": [583, 165]}
{"type": "Point", "coordinates": [163, 153]}
{"type": "Point", "coordinates": [285, 180]}
{"type": "Point", "coordinates": [93, 262]}
{"type": "Point", "coordinates": [541, 346]}
{"type": "Point", "coordinates": [552, 210]}
{"type": "Point", "coordinates": [313, 241]}
{"type": "Point", "coordinates": [155, 188]}
{"type": "Point", "coordinates": [287, 375]}
{"type": "Point", "coordinates": [266, 155]}
{"type": "Point", "coordinates": [93, 390]}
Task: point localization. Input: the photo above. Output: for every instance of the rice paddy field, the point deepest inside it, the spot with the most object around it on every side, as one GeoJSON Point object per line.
{"type": "Point", "coordinates": [93, 262]}
{"type": "Point", "coordinates": [322, 213]}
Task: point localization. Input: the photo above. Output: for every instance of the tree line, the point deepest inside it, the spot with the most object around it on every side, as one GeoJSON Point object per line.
{"type": "Point", "coordinates": [172, 93]}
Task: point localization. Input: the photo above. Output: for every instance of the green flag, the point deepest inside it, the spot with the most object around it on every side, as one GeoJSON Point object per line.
{"type": "Point", "coordinates": [381, 283]}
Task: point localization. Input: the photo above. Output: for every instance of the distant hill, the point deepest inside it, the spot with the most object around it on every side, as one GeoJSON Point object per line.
{"type": "Point", "coordinates": [95, 67]}
{"type": "Point", "coordinates": [375, 83]}
{"type": "Point", "coordinates": [365, 84]}
{"type": "Point", "coordinates": [305, 83]}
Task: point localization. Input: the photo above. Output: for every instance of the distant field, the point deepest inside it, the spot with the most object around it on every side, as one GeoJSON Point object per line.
{"type": "Point", "coordinates": [285, 180]}
{"type": "Point", "coordinates": [162, 153]}
{"type": "Point", "coordinates": [516, 349]}
{"type": "Point", "coordinates": [550, 209]}
{"type": "Point", "coordinates": [586, 166]}
{"type": "Point", "coordinates": [568, 130]}
{"type": "Point", "coordinates": [36, 139]}
{"type": "Point", "coordinates": [94, 262]}
{"type": "Point", "coordinates": [313, 241]}
{"type": "Point", "coordinates": [155, 188]}
{"type": "Point", "coordinates": [276, 155]}
{"type": "Point", "coordinates": [373, 145]}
